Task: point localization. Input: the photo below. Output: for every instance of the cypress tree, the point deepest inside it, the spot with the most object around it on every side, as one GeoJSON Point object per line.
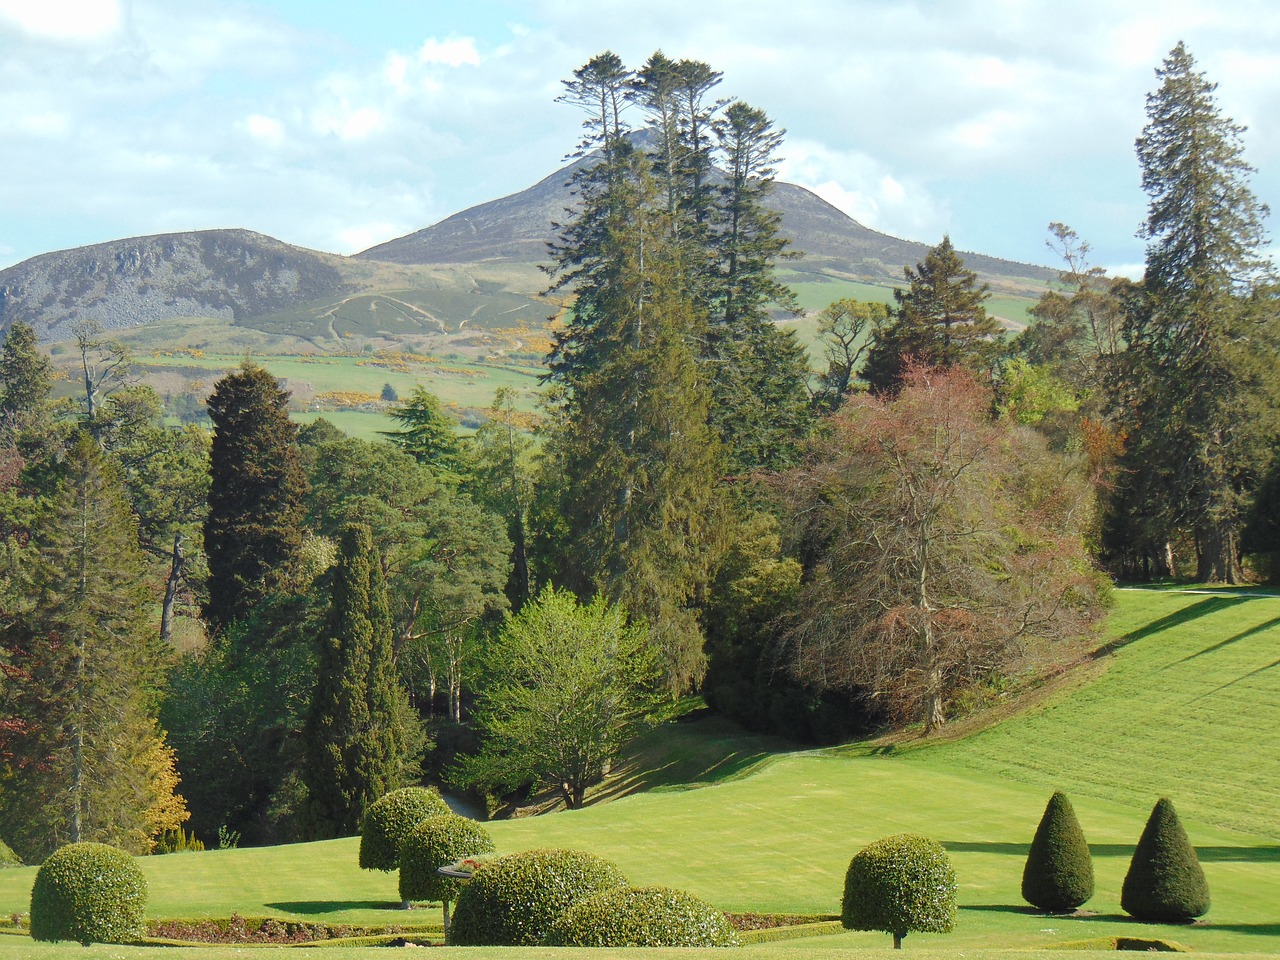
{"type": "Point", "coordinates": [1165, 883]}
{"type": "Point", "coordinates": [355, 739]}
{"type": "Point", "coordinates": [253, 532]}
{"type": "Point", "coordinates": [1058, 875]}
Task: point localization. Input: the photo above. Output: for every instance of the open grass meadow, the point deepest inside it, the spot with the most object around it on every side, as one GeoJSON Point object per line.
{"type": "Point", "coordinates": [1185, 702]}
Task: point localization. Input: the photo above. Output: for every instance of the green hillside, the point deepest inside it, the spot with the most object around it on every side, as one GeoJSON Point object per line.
{"type": "Point", "coordinates": [1185, 703]}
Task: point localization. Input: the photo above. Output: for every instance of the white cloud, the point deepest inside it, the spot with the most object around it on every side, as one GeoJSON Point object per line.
{"type": "Point", "coordinates": [268, 130]}
{"type": "Point", "coordinates": [362, 236]}
{"type": "Point", "coordinates": [67, 20]}
{"type": "Point", "coordinates": [453, 52]}
{"type": "Point", "coordinates": [862, 187]}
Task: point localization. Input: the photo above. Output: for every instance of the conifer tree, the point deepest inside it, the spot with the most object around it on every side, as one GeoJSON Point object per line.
{"type": "Point", "coordinates": [427, 434]}
{"type": "Point", "coordinates": [1197, 390]}
{"type": "Point", "coordinates": [355, 737]}
{"type": "Point", "coordinates": [634, 459]}
{"type": "Point", "coordinates": [25, 378]}
{"type": "Point", "coordinates": [758, 372]}
{"type": "Point", "coordinates": [940, 321]}
{"type": "Point", "coordinates": [254, 527]}
{"type": "Point", "coordinates": [77, 711]}
{"type": "Point", "coordinates": [1058, 875]}
{"type": "Point", "coordinates": [1165, 883]}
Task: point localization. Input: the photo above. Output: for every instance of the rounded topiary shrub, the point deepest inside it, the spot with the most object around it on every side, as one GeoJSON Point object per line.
{"type": "Point", "coordinates": [513, 901]}
{"type": "Point", "coordinates": [89, 893]}
{"type": "Point", "coordinates": [642, 917]}
{"type": "Point", "coordinates": [1165, 883]}
{"type": "Point", "coordinates": [900, 884]}
{"type": "Point", "coordinates": [1058, 875]}
{"type": "Point", "coordinates": [432, 844]}
{"type": "Point", "coordinates": [389, 820]}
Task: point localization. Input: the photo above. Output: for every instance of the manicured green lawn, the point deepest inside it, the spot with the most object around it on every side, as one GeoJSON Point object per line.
{"type": "Point", "coordinates": [1189, 708]}
{"type": "Point", "coordinates": [776, 833]}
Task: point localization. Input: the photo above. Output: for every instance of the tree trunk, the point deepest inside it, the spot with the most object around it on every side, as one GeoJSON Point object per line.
{"type": "Point", "coordinates": [897, 941]}
{"type": "Point", "coordinates": [176, 565]}
{"type": "Point", "coordinates": [1219, 561]}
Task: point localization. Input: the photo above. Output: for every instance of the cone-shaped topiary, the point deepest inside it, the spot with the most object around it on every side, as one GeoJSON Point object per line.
{"type": "Point", "coordinates": [513, 901]}
{"type": "Point", "coordinates": [388, 821]}
{"type": "Point", "coordinates": [1165, 883]}
{"type": "Point", "coordinates": [900, 884]}
{"type": "Point", "coordinates": [1058, 876]}
{"type": "Point", "coordinates": [643, 917]}
{"type": "Point", "coordinates": [89, 893]}
{"type": "Point", "coordinates": [433, 844]}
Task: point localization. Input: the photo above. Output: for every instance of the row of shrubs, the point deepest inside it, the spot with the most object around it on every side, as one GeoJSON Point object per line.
{"type": "Point", "coordinates": [553, 897]}
{"type": "Point", "coordinates": [90, 892]}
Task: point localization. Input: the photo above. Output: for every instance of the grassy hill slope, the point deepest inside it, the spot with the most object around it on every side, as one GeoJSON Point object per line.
{"type": "Point", "coordinates": [775, 832]}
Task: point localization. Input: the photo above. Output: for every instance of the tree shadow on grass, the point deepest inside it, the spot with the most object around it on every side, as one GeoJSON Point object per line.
{"type": "Point", "coordinates": [1198, 609]}
{"type": "Point", "coordinates": [1219, 854]}
{"type": "Point", "coordinates": [310, 908]}
{"type": "Point", "coordinates": [1244, 634]}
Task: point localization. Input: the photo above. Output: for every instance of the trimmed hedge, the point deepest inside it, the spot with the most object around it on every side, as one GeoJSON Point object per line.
{"type": "Point", "coordinates": [389, 820]}
{"type": "Point", "coordinates": [513, 901]}
{"type": "Point", "coordinates": [642, 917]}
{"type": "Point", "coordinates": [1165, 883]}
{"type": "Point", "coordinates": [900, 884]}
{"type": "Point", "coordinates": [1058, 876]}
{"type": "Point", "coordinates": [432, 844]}
{"type": "Point", "coordinates": [89, 893]}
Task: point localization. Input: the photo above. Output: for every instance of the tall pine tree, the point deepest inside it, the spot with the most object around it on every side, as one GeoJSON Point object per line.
{"type": "Point", "coordinates": [1197, 387]}
{"type": "Point", "coordinates": [355, 741]}
{"type": "Point", "coordinates": [632, 455]}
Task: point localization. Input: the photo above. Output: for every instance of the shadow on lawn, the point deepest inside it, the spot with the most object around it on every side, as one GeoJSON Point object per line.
{"type": "Point", "coordinates": [1260, 628]}
{"type": "Point", "coordinates": [1267, 854]}
{"type": "Point", "coordinates": [1198, 609]}
{"type": "Point", "coordinates": [312, 907]}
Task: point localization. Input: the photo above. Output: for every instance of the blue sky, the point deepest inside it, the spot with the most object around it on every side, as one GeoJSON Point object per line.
{"type": "Point", "coordinates": [340, 125]}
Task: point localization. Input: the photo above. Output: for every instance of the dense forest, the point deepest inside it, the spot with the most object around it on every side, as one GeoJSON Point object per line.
{"type": "Point", "coordinates": [897, 538]}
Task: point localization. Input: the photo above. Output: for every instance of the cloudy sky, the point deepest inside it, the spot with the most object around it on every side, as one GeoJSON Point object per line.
{"type": "Point", "coordinates": [338, 125]}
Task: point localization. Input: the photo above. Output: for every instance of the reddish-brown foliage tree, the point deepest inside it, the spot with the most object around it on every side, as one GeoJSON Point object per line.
{"type": "Point", "coordinates": [940, 545]}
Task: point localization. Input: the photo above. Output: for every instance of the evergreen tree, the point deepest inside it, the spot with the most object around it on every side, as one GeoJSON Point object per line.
{"type": "Point", "coordinates": [354, 738]}
{"type": "Point", "coordinates": [758, 372]}
{"type": "Point", "coordinates": [254, 527]}
{"type": "Point", "coordinates": [25, 378]}
{"type": "Point", "coordinates": [631, 452]}
{"type": "Point", "coordinates": [428, 434]}
{"type": "Point", "coordinates": [1197, 388]}
{"type": "Point", "coordinates": [940, 321]}
{"type": "Point", "coordinates": [77, 712]}
{"type": "Point", "coordinates": [1058, 875]}
{"type": "Point", "coordinates": [1165, 883]}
